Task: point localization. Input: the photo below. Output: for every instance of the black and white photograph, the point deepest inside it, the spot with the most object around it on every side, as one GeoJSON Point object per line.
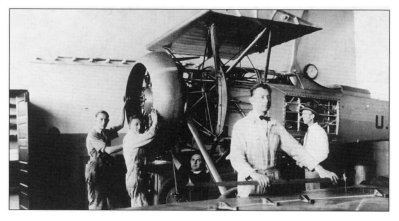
{"type": "Point", "coordinates": [253, 109]}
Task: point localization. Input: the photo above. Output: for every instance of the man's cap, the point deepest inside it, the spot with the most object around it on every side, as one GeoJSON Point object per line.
{"type": "Point", "coordinates": [313, 108]}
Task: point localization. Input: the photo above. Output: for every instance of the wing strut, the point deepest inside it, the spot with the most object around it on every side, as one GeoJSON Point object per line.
{"type": "Point", "coordinates": [242, 55]}
{"type": "Point", "coordinates": [269, 50]}
{"type": "Point", "coordinates": [207, 158]}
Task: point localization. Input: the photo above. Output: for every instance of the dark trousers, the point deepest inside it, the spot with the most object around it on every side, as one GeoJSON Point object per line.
{"type": "Point", "coordinates": [98, 188]}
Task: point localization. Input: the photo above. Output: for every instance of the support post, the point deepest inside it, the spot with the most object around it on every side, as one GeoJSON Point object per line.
{"type": "Point", "coordinates": [207, 158]}
{"type": "Point", "coordinates": [269, 49]}
{"type": "Point", "coordinates": [242, 55]}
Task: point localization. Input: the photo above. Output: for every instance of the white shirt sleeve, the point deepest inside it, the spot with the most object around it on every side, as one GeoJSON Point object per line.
{"type": "Point", "coordinates": [294, 149]}
{"type": "Point", "coordinates": [316, 143]}
{"type": "Point", "coordinates": [139, 140]}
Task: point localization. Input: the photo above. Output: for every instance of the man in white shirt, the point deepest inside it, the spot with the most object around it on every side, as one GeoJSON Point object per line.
{"type": "Point", "coordinates": [254, 142]}
{"type": "Point", "coordinates": [315, 142]}
{"type": "Point", "coordinates": [134, 144]}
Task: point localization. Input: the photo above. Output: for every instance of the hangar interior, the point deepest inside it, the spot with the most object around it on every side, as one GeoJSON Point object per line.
{"type": "Point", "coordinates": [65, 65]}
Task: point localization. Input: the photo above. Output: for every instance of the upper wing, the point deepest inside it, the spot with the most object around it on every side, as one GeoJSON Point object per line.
{"type": "Point", "coordinates": [235, 30]}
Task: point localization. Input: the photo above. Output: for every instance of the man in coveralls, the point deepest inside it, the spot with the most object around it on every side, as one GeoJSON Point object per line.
{"type": "Point", "coordinates": [134, 144]}
{"type": "Point", "coordinates": [98, 168]}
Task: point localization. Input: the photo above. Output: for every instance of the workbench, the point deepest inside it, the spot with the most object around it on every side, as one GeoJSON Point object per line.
{"type": "Point", "coordinates": [355, 198]}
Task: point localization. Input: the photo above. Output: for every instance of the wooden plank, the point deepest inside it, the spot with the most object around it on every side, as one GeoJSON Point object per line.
{"type": "Point", "coordinates": [23, 144]}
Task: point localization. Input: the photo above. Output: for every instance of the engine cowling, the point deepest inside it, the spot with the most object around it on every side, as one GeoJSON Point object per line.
{"type": "Point", "coordinates": [155, 81]}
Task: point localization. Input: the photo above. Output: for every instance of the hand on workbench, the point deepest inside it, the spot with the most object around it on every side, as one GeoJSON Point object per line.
{"type": "Point", "coordinates": [263, 181]}
{"type": "Point", "coordinates": [323, 173]}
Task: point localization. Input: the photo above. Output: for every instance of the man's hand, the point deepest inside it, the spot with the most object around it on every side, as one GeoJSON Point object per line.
{"type": "Point", "coordinates": [154, 115]}
{"type": "Point", "coordinates": [103, 149]}
{"type": "Point", "coordinates": [323, 173]}
{"type": "Point", "coordinates": [113, 149]}
{"type": "Point", "coordinates": [263, 181]}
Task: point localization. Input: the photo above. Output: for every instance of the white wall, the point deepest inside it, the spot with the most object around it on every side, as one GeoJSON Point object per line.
{"type": "Point", "coordinates": [71, 94]}
{"type": "Point", "coordinates": [332, 49]}
{"type": "Point", "coordinates": [88, 33]}
{"type": "Point", "coordinates": [372, 50]}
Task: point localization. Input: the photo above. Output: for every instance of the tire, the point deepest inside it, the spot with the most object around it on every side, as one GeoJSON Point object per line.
{"type": "Point", "coordinates": [167, 194]}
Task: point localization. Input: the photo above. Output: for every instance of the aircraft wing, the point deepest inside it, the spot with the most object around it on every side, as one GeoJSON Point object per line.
{"type": "Point", "coordinates": [235, 30]}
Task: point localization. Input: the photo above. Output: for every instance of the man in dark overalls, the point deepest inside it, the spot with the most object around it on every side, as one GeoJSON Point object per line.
{"type": "Point", "coordinates": [98, 144]}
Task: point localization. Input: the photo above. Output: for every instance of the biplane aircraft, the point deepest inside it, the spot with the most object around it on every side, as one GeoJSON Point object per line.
{"type": "Point", "coordinates": [196, 78]}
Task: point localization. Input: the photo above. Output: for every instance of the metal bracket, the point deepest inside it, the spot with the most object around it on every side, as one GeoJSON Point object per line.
{"type": "Point", "coordinates": [306, 199]}
{"type": "Point", "coordinates": [225, 206]}
{"type": "Point", "coordinates": [269, 202]}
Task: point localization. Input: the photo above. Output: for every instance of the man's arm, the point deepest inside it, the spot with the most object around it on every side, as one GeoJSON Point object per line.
{"type": "Point", "coordinates": [146, 137]}
{"type": "Point", "coordinates": [122, 122]}
{"type": "Point", "coordinates": [323, 173]}
{"type": "Point", "coordinates": [299, 154]}
{"type": "Point", "coordinates": [113, 149]}
{"type": "Point", "coordinates": [150, 133]}
{"type": "Point", "coordinates": [94, 143]}
{"type": "Point", "coordinates": [293, 148]}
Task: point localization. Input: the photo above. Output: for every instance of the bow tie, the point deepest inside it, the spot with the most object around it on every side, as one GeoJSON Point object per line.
{"type": "Point", "coordinates": [266, 118]}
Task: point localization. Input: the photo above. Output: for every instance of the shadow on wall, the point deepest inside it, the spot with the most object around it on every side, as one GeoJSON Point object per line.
{"type": "Point", "coordinates": [52, 163]}
{"type": "Point", "coordinates": [57, 163]}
